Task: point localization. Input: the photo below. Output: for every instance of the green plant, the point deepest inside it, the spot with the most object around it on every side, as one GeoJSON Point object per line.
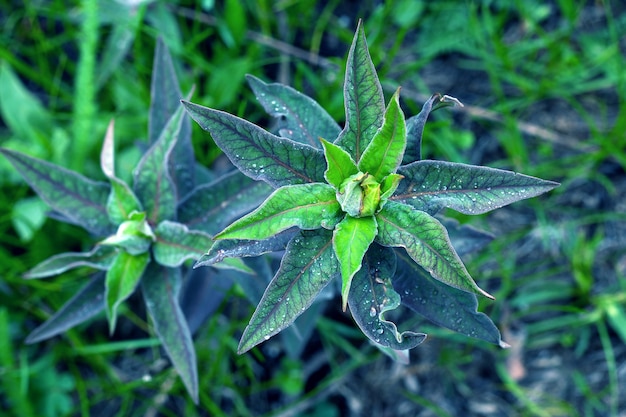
{"type": "Point", "coordinates": [359, 204]}
{"type": "Point", "coordinates": [147, 230]}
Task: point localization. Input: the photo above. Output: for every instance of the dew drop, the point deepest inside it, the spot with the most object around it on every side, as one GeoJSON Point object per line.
{"type": "Point", "coordinates": [372, 311]}
{"type": "Point", "coordinates": [379, 330]}
{"type": "Point", "coordinates": [266, 337]}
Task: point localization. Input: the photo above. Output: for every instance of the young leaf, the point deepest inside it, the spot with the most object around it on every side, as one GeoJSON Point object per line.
{"type": "Point", "coordinates": [384, 153]}
{"type": "Point", "coordinates": [160, 291]}
{"type": "Point", "coordinates": [300, 118]}
{"type": "Point", "coordinates": [85, 304]}
{"type": "Point", "coordinates": [373, 295]}
{"type": "Point", "coordinates": [153, 183]}
{"type": "Point", "coordinates": [134, 236]}
{"type": "Point", "coordinates": [469, 189]}
{"type": "Point", "coordinates": [307, 206]}
{"type": "Point", "coordinates": [257, 153]}
{"type": "Point", "coordinates": [363, 96]}
{"type": "Point", "coordinates": [427, 242]}
{"type": "Point", "coordinates": [389, 186]}
{"type": "Point", "coordinates": [442, 304]}
{"type": "Point", "coordinates": [121, 280]}
{"type": "Point", "coordinates": [308, 266]}
{"type": "Point", "coordinates": [100, 257]}
{"type": "Point", "coordinates": [79, 199]}
{"type": "Point", "coordinates": [175, 243]}
{"type": "Point", "coordinates": [351, 239]}
{"type": "Point", "coordinates": [122, 201]}
{"type": "Point", "coordinates": [340, 165]}
{"type": "Point", "coordinates": [211, 207]}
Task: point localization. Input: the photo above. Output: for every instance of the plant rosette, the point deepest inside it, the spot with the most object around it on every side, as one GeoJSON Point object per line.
{"type": "Point", "coordinates": [357, 203]}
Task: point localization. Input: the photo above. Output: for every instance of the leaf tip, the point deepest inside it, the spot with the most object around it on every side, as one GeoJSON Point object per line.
{"type": "Point", "coordinates": [503, 344]}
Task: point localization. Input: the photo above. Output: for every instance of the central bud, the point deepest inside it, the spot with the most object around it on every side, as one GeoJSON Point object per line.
{"type": "Point", "coordinates": [359, 195]}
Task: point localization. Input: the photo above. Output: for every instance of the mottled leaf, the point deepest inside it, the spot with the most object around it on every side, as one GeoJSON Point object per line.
{"type": "Point", "coordinates": [363, 97]}
{"type": "Point", "coordinates": [85, 304]}
{"type": "Point", "coordinates": [160, 289]}
{"type": "Point", "coordinates": [372, 295]}
{"type": "Point", "coordinates": [79, 199]}
{"type": "Point", "coordinates": [257, 153]}
{"type": "Point", "coordinates": [307, 206]}
{"type": "Point", "coordinates": [300, 118]}
{"type": "Point", "coordinates": [431, 185]}
{"type": "Point", "coordinates": [100, 257]}
{"type": "Point", "coordinates": [427, 242]}
{"type": "Point", "coordinates": [442, 304]}
{"type": "Point", "coordinates": [308, 266]}
{"type": "Point", "coordinates": [339, 163]}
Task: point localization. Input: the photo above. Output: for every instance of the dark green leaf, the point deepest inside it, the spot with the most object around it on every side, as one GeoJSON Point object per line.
{"type": "Point", "coordinates": [307, 206]}
{"type": "Point", "coordinates": [257, 153]}
{"type": "Point", "coordinates": [85, 304]}
{"type": "Point", "coordinates": [121, 280]}
{"type": "Point", "coordinates": [153, 184]}
{"type": "Point", "coordinates": [384, 153]}
{"type": "Point", "coordinates": [308, 266]}
{"type": "Point", "coordinates": [432, 185]}
{"type": "Point", "coordinates": [211, 207]}
{"type": "Point", "coordinates": [79, 199]}
{"type": "Point", "coordinates": [442, 304]}
{"type": "Point", "coordinates": [465, 238]}
{"type": "Point", "coordinates": [427, 242]}
{"type": "Point", "coordinates": [363, 96]}
{"type": "Point", "coordinates": [340, 165]}
{"type": "Point", "coordinates": [160, 289]}
{"type": "Point", "coordinates": [101, 257]}
{"type": "Point", "coordinates": [175, 244]}
{"type": "Point", "coordinates": [372, 295]}
{"type": "Point", "coordinates": [300, 118]}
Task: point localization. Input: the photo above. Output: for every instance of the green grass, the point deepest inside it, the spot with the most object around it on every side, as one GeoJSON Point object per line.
{"type": "Point", "coordinates": [556, 266]}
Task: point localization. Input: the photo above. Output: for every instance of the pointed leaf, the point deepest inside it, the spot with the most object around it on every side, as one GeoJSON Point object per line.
{"type": "Point", "coordinates": [351, 239]}
{"type": "Point", "coordinates": [160, 289]}
{"type": "Point", "coordinates": [363, 96]}
{"type": "Point", "coordinates": [308, 266]}
{"type": "Point", "coordinates": [211, 207]}
{"type": "Point", "coordinates": [372, 296]}
{"type": "Point", "coordinates": [415, 130]}
{"type": "Point", "coordinates": [100, 257]}
{"type": "Point", "coordinates": [300, 118]}
{"type": "Point", "coordinates": [234, 248]}
{"type": "Point", "coordinates": [122, 201]}
{"type": "Point", "coordinates": [175, 244]}
{"type": "Point", "coordinates": [79, 199]}
{"type": "Point", "coordinates": [134, 236]}
{"type": "Point", "coordinates": [121, 280]}
{"type": "Point", "coordinates": [431, 185]}
{"type": "Point", "coordinates": [307, 206]}
{"type": "Point", "coordinates": [427, 242]}
{"type": "Point", "coordinates": [465, 238]}
{"type": "Point", "coordinates": [340, 165]}
{"type": "Point", "coordinates": [256, 152]}
{"type": "Point", "coordinates": [384, 153]}
{"type": "Point", "coordinates": [153, 184]}
{"type": "Point", "coordinates": [442, 304]}
{"type": "Point", "coordinates": [85, 304]}
{"type": "Point", "coordinates": [165, 97]}
{"type": "Point", "coordinates": [389, 186]}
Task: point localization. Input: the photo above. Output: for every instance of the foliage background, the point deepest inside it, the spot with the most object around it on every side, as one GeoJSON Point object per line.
{"type": "Point", "coordinates": [545, 94]}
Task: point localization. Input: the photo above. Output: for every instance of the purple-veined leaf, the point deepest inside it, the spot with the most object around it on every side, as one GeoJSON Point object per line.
{"type": "Point", "coordinates": [351, 239]}
{"type": "Point", "coordinates": [308, 266]}
{"type": "Point", "coordinates": [442, 304]}
{"type": "Point", "coordinates": [339, 163]}
{"type": "Point", "coordinates": [122, 201]}
{"type": "Point", "coordinates": [160, 289]}
{"type": "Point", "coordinates": [363, 97]}
{"type": "Point", "coordinates": [300, 118]}
{"type": "Point", "coordinates": [415, 125]}
{"type": "Point", "coordinates": [165, 98]}
{"type": "Point", "coordinates": [372, 295]}
{"type": "Point", "coordinates": [307, 206]}
{"type": "Point", "coordinates": [432, 185]}
{"type": "Point", "coordinates": [258, 153]}
{"type": "Point", "coordinates": [79, 199]}
{"type": "Point", "coordinates": [384, 153]}
{"type": "Point", "coordinates": [85, 304]}
{"type": "Point", "coordinates": [427, 242]}
{"type": "Point", "coordinates": [121, 280]}
{"type": "Point", "coordinates": [153, 183]}
{"type": "Point", "coordinates": [235, 248]}
{"type": "Point", "coordinates": [100, 257]}
{"type": "Point", "coordinates": [211, 207]}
